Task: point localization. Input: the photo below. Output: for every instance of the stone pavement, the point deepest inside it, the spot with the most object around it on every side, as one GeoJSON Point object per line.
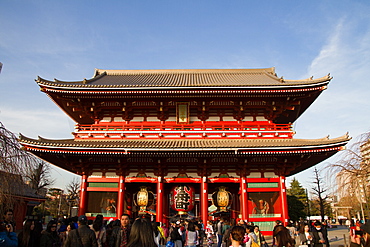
{"type": "Point", "coordinates": [338, 236]}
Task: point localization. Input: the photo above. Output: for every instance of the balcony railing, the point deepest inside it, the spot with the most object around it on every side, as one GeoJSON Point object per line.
{"type": "Point", "coordinates": [193, 130]}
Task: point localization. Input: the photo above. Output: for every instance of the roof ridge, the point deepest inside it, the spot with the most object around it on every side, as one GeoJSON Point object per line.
{"type": "Point", "coordinates": [184, 71]}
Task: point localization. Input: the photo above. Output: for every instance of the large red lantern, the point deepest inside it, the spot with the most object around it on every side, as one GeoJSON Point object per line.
{"type": "Point", "coordinates": [182, 198]}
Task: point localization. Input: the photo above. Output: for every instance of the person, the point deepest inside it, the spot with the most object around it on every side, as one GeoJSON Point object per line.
{"type": "Point", "coordinates": [356, 234]}
{"type": "Point", "coordinates": [8, 238]}
{"type": "Point", "coordinates": [64, 235]}
{"type": "Point", "coordinates": [200, 233]}
{"type": "Point", "coordinates": [219, 232]}
{"type": "Point", "coordinates": [278, 223]}
{"type": "Point", "coordinates": [82, 236]}
{"type": "Point", "coordinates": [227, 229]}
{"type": "Point", "coordinates": [140, 234]}
{"type": "Point", "coordinates": [175, 235]}
{"type": "Point", "coordinates": [237, 236]}
{"type": "Point", "coordinates": [282, 237]}
{"type": "Point", "coordinates": [225, 226]}
{"type": "Point", "coordinates": [8, 218]}
{"type": "Point", "coordinates": [242, 223]}
{"type": "Point", "coordinates": [28, 236]}
{"type": "Point", "coordinates": [191, 236]}
{"type": "Point", "coordinates": [156, 233]}
{"type": "Point", "coordinates": [260, 239]}
{"type": "Point", "coordinates": [120, 235]}
{"type": "Point", "coordinates": [49, 237]}
{"type": "Point", "coordinates": [292, 230]}
{"type": "Point", "coordinates": [209, 233]}
{"type": "Point", "coordinates": [305, 236]}
{"type": "Point", "coordinates": [165, 234]}
{"type": "Point", "coordinates": [249, 235]}
{"type": "Point", "coordinates": [100, 231]}
{"type": "Point", "coordinates": [320, 236]}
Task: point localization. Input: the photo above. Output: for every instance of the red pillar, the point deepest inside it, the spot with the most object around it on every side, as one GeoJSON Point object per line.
{"type": "Point", "coordinates": [121, 196]}
{"type": "Point", "coordinates": [204, 200]}
{"type": "Point", "coordinates": [243, 198]}
{"type": "Point", "coordinates": [159, 207]}
{"type": "Point", "coordinates": [83, 195]}
{"type": "Point", "coordinates": [284, 202]}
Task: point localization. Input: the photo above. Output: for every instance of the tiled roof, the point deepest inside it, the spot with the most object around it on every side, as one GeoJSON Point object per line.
{"type": "Point", "coordinates": [17, 187]}
{"type": "Point", "coordinates": [253, 78]}
{"type": "Point", "coordinates": [182, 144]}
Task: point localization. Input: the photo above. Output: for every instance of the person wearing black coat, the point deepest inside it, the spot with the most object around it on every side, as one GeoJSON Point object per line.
{"type": "Point", "coordinates": [49, 237]}
{"type": "Point", "coordinates": [82, 236]}
{"type": "Point", "coordinates": [320, 235]}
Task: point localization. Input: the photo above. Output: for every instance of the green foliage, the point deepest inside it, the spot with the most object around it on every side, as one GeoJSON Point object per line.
{"type": "Point", "coordinates": [296, 208]}
{"type": "Point", "coordinates": [297, 200]}
{"type": "Point", "coordinates": [297, 190]}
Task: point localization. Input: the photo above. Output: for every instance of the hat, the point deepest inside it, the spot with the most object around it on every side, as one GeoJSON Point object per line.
{"type": "Point", "coordinates": [82, 218]}
{"type": "Point", "coordinates": [177, 222]}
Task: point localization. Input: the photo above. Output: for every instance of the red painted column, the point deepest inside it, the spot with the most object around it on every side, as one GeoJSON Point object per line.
{"type": "Point", "coordinates": [243, 198]}
{"type": "Point", "coordinates": [83, 195]}
{"type": "Point", "coordinates": [159, 207]}
{"type": "Point", "coordinates": [284, 202]}
{"type": "Point", "coordinates": [121, 196]}
{"type": "Point", "coordinates": [204, 200]}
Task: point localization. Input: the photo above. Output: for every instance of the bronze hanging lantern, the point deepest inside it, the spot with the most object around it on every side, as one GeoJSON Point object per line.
{"type": "Point", "coordinates": [143, 199]}
{"type": "Point", "coordinates": [222, 199]}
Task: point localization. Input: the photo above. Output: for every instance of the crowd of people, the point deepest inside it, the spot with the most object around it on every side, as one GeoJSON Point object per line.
{"type": "Point", "coordinates": [141, 232]}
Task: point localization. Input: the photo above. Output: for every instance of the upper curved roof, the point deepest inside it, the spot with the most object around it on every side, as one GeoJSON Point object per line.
{"type": "Point", "coordinates": [185, 144]}
{"type": "Point", "coordinates": [176, 78]}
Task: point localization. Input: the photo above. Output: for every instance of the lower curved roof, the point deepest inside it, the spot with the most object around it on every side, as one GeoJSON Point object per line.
{"type": "Point", "coordinates": [304, 152]}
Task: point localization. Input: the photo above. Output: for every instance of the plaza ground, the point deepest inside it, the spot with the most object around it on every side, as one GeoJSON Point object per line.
{"type": "Point", "coordinates": [338, 237]}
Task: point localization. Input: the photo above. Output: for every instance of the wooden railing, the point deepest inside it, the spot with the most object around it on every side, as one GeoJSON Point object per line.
{"type": "Point", "coordinates": [172, 126]}
{"type": "Point", "coordinates": [193, 130]}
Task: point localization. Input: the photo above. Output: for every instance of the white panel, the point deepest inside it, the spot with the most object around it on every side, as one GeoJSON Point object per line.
{"type": "Point", "coordinates": [137, 119]}
{"type": "Point", "coordinates": [228, 118]}
{"type": "Point", "coordinates": [106, 119]}
{"type": "Point", "coordinates": [254, 175]}
{"type": "Point", "coordinates": [152, 119]}
{"type": "Point", "coordinates": [96, 174]}
{"type": "Point", "coordinates": [260, 118]}
{"type": "Point", "coordinates": [111, 175]}
{"type": "Point", "coordinates": [248, 118]}
{"type": "Point", "coordinates": [213, 119]}
{"type": "Point", "coordinates": [118, 119]}
{"type": "Point", "coordinates": [270, 175]}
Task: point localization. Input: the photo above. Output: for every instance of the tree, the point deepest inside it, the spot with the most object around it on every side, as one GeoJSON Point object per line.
{"type": "Point", "coordinates": [13, 161]}
{"type": "Point", "coordinates": [297, 190]}
{"type": "Point", "coordinates": [296, 208]}
{"type": "Point", "coordinates": [353, 171]}
{"type": "Point", "coordinates": [297, 200]}
{"type": "Point", "coordinates": [39, 178]}
{"type": "Point", "coordinates": [73, 194]}
{"type": "Point", "coordinates": [319, 190]}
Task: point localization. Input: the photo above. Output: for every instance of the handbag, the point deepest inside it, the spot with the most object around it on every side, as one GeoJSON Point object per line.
{"type": "Point", "coordinates": [254, 244]}
{"type": "Point", "coordinates": [170, 244]}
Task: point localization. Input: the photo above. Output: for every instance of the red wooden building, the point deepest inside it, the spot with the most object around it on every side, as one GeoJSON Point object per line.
{"type": "Point", "coordinates": [168, 141]}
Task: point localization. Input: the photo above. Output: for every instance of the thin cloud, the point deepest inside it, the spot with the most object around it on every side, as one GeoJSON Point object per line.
{"type": "Point", "coordinates": [46, 124]}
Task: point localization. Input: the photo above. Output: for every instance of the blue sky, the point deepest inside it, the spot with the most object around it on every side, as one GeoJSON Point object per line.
{"type": "Point", "coordinates": [67, 40]}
